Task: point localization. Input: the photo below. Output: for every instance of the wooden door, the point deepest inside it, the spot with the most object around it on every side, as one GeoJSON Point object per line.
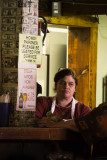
{"type": "Point", "coordinates": [80, 58]}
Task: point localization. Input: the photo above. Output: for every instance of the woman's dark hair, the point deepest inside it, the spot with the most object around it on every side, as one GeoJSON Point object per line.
{"type": "Point", "coordinates": [65, 72]}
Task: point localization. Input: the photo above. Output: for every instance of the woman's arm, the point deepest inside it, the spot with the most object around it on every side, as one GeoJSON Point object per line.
{"type": "Point", "coordinates": [47, 122]}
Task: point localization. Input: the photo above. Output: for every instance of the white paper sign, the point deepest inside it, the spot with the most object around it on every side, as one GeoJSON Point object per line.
{"type": "Point", "coordinates": [26, 96]}
{"type": "Point", "coordinates": [30, 49]}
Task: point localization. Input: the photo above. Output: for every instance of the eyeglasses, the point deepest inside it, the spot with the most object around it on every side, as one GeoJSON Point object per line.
{"type": "Point", "coordinates": [64, 83]}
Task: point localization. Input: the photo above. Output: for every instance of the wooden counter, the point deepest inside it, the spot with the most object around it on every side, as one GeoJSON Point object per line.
{"type": "Point", "coordinates": [36, 143]}
{"type": "Point", "coordinates": [23, 133]}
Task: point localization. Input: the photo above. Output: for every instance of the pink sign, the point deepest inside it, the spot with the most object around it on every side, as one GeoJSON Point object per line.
{"type": "Point", "coordinates": [26, 96]}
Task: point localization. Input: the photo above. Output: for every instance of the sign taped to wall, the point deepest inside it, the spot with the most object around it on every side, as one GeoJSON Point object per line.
{"type": "Point", "coordinates": [30, 17]}
{"type": "Point", "coordinates": [30, 49]}
{"type": "Point", "coordinates": [26, 94]}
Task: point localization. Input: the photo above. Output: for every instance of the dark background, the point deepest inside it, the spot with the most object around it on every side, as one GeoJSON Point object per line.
{"type": "Point", "coordinates": [74, 7]}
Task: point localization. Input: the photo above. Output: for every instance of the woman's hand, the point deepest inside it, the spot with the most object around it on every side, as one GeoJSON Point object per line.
{"type": "Point", "coordinates": [44, 122]}
{"type": "Point", "coordinates": [47, 122]}
{"type": "Point", "coordinates": [70, 124]}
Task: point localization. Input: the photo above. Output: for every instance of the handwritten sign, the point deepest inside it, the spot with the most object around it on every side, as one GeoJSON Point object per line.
{"type": "Point", "coordinates": [30, 49]}
{"type": "Point", "coordinates": [26, 96]}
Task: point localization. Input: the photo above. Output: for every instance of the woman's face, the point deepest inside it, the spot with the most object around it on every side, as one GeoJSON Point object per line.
{"type": "Point", "coordinates": [65, 87]}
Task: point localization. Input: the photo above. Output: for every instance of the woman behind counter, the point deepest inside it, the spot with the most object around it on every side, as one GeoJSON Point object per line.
{"type": "Point", "coordinates": [63, 105]}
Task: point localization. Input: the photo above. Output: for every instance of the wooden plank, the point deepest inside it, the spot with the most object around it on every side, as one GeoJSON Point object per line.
{"type": "Point", "coordinates": [92, 67]}
{"type": "Point", "coordinates": [24, 133]}
{"type": "Point", "coordinates": [81, 21]}
{"type": "Point", "coordinates": [78, 59]}
{"type": "Point", "coordinates": [82, 54]}
{"type": "Point", "coordinates": [15, 133]}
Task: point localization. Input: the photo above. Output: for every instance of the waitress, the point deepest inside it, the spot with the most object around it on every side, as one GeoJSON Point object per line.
{"type": "Point", "coordinates": [63, 106]}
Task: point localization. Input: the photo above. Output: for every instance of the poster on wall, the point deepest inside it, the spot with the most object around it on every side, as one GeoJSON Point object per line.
{"type": "Point", "coordinates": [26, 94]}
{"type": "Point", "coordinates": [30, 17]}
{"type": "Point", "coordinates": [30, 52]}
{"type": "Point", "coordinates": [30, 49]}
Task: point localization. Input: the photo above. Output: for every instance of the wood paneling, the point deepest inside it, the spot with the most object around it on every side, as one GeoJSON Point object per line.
{"type": "Point", "coordinates": [82, 57]}
{"type": "Point", "coordinates": [78, 59]}
{"type": "Point", "coordinates": [81, 21]}
{"type": "Point", "coordinates": [23, 133]}
{"type": "Point", "coordinates": [93, 66]}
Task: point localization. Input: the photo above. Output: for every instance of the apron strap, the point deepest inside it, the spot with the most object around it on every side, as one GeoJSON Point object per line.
{"type": "Point", "coordinates": [72, 107]}
{"type": "Point", "coordinates": [53, 105]}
